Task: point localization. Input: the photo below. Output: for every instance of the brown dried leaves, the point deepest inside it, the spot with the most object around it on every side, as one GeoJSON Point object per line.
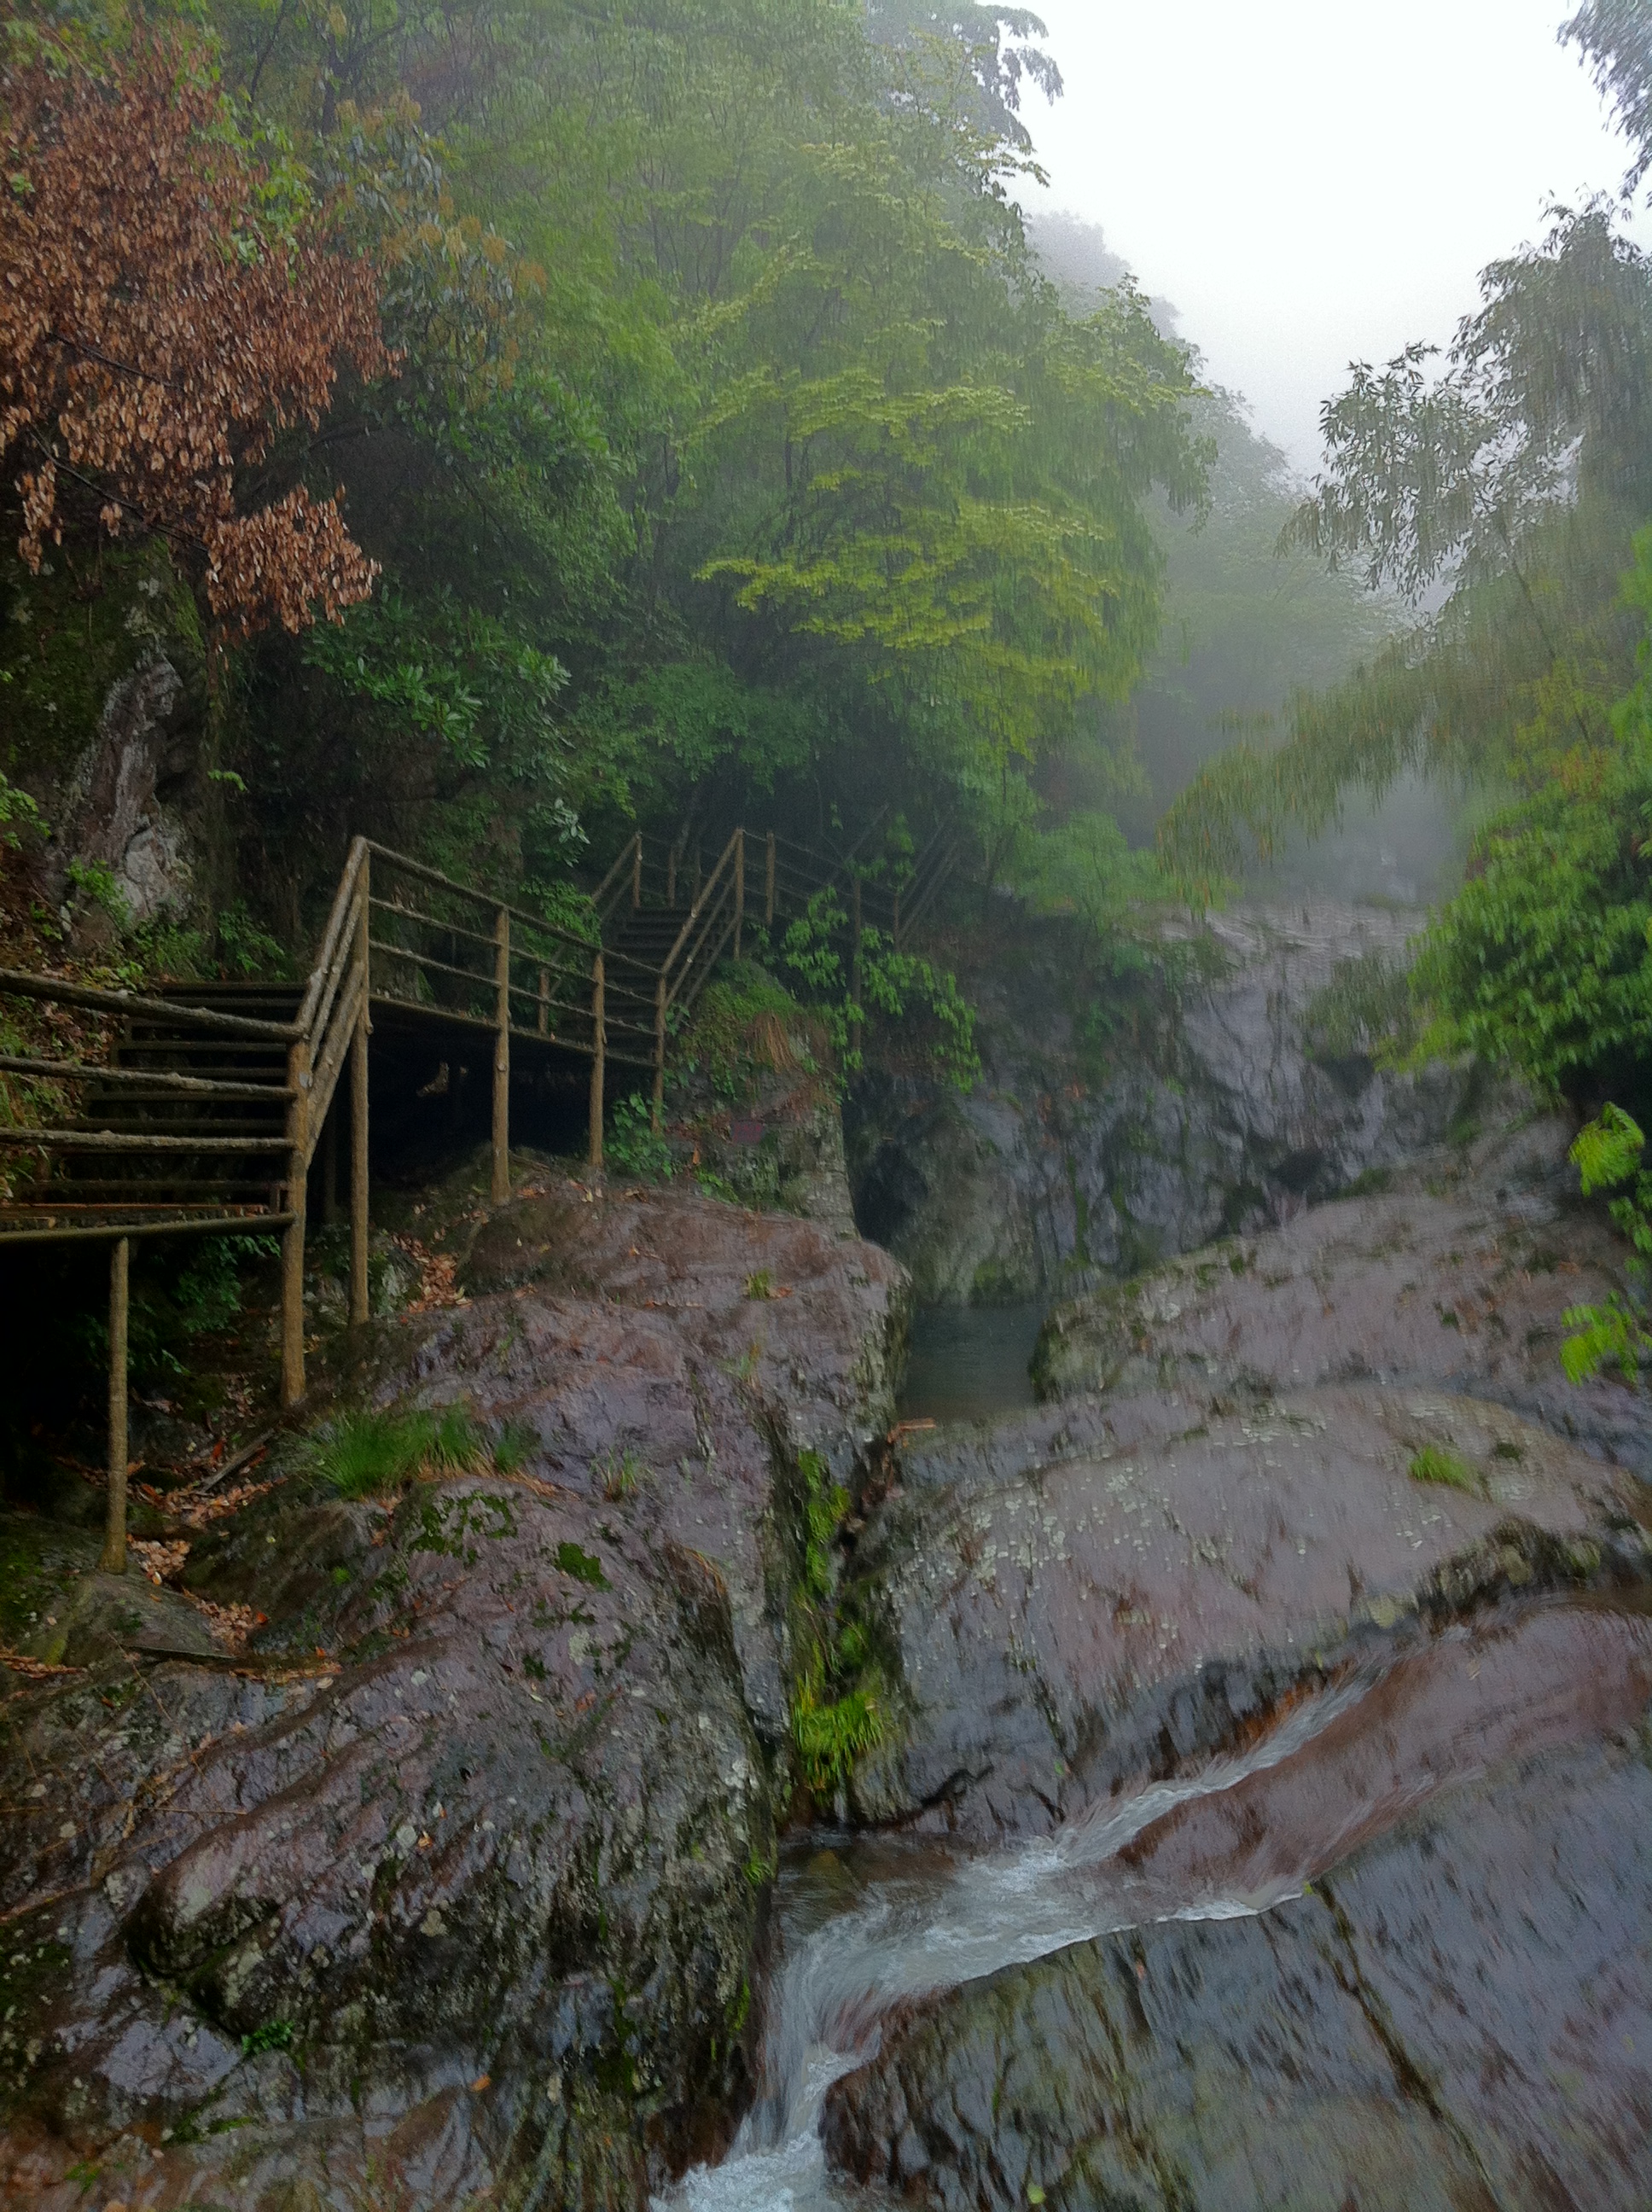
{"type": "Point", "coordinates": [151, 342]}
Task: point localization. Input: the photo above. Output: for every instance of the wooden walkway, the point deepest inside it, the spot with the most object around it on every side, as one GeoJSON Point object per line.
{"type": "Point", "coordinates": [209, 1114]}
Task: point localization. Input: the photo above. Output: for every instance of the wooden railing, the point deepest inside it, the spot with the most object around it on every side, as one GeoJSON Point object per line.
{"type": "Point", "coordinates": [405, 939]}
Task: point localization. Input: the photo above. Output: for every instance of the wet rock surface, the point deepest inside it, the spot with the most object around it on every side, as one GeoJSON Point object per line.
{"type": "Point", "coordinates": [455, 1873]}
{"type": "Point", "coordinates": [1458, 2014]}
{"type": "Point", "coordinates": [1462, 1278]}
{"type": "Point", "coordinates": [1082, 1156]}
{"type": "Point", "coordinates": [1168, 1574]}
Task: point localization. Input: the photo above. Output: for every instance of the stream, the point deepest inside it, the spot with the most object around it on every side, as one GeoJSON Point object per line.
{"type": "Point", "coordinates": [866, 1921]}
{"type": "Point", "coordinates": [970, 1363]}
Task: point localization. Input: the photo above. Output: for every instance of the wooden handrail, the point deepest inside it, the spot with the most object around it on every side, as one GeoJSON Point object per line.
{"type": "Point", "coordinates": [327, 955]}
{"type": "Point", "coordinates": [27, 985]}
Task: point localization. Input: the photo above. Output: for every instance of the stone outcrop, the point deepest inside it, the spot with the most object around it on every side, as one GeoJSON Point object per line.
{"type": "Point", "coordinates": [457, 1873]}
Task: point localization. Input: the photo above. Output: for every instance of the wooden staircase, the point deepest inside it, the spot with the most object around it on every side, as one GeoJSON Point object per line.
{"type": "Point", "coordinates": [205, 1115]}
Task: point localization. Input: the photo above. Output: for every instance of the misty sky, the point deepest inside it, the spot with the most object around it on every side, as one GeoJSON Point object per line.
{"type": "Point", "coordinates": [1311, 181]}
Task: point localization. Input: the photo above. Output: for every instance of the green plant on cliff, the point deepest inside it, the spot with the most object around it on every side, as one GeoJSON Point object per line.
{"type": "Point", "coordinates": [893, 987]}
{"type": "Point", "coordinates": [836, 1716]}
{"type": "Point", "coordinates": [1607, 1153]}
{"type": "Point", "coordinates": [831, 1734]}
{"type": "Point", "coordinates": [1438, 1463]}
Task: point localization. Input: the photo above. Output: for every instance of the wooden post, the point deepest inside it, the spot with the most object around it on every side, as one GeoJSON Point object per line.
{"type": "Point", "coordinates": [636, 872]}
{"type": "Point", "coordinates": [599, 1054]}
{"type": "Point", "coordinates": [659, 1053]}
{"type": "Point", "coordinates": [500, 1188]}
{"type": "Point", "coordinates": [292, 1239]}
{"type": "Point", "coordinates": [855, 968]}
{"type": "Point", "coordinates": [113, 1558]}
{"type": "Point", "coordinates": [739, 893]}
{"type": "Point", "coordinates": [769, 883]}
{"type": "Point", "coordinates": [544, 1001]}
{"type": "Point", "coordinates": [359, 1224]}
{"type": "Point", "coordinates": [330, 1168]}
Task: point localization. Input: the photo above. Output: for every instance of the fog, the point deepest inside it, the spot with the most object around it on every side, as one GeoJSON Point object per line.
{"type": "Point", "coordinates": [1311, 183]}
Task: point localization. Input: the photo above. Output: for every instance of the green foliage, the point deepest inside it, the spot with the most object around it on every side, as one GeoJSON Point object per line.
{"type": "Point", "coordinates": [744, 1023]}
{"type": "Point", "coordinates": [816, 951]}
{"type": "Point", "coordinates": [377, 1454]}
{"type": "Point", "coordinates": [1438, 1463]}
{"type": "Point", "coordinates": [634, 1145]}
{"type": "Point", "coordinates": [273, 2035]}
{"type": "Point", "coordinates": [831, 1734]}
{"type": "Point", "coordinates": [759, 1285]}
{"type": "Point", "coordinates": [1521, 470]}
{"type": "Point", "coordinates": [248, 950]}
{"type": "Point", "coordinates": [18, 810]}
{"type": "Point", "coordinates": [1607, 1153]}
{"type": "Point", "coordinates": [97, 884]}
{"type": "Point", "coordinates": [1543, 958]}
{"type": "Point", "coordinates": [740, 449]}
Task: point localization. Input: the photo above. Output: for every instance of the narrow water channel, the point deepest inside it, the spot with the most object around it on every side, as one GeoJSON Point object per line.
{"type": "Point", "coordinates": [970, 1363]}
{"type": "Point", "coordinates": [866, 1922]}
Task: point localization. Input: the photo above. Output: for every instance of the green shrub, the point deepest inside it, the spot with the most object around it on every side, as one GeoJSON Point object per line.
{"type": "Point", "coordinates": [1607, 1153]}
{"type": "Point", "coordinates": [760, 1284]}
{"type": "Point", "coordinates": [1438, 1463]}
{"type": "Point", "coordinates": [743, 1024]}
{"type": "Point", "coordinates": [1542, 958]}
{"type": "Point", "coordinates": [635, 1146]}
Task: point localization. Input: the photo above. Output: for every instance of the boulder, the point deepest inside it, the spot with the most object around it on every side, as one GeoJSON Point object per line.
{"type": "Point", "coordinates": [456, 1870]}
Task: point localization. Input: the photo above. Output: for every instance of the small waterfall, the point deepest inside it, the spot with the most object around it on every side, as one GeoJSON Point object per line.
{"type": "Point", "coordinates": [863, 1927]}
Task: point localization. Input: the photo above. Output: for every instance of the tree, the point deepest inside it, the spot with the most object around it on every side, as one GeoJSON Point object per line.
{"type": "Point", "coordinates": [163, 321]}
{"type": "Point", "coordinates": [1516, 474]}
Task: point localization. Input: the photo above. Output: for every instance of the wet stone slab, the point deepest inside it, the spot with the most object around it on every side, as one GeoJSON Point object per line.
{"type": "Point", "coordinates": [1152, 1590]}
{"type": "Point", "coordinates": [1458, 2015]}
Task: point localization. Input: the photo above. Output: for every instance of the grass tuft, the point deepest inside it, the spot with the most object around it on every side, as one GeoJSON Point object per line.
{"type": "Point", "coordinates": [618, 1473]}
{"type": "Point", "coordinates": [1438, 1463]}
{"type": "Point", "coordinates": [371, 1455]}
{"type": "Point", "coordinates": [514, 1446]}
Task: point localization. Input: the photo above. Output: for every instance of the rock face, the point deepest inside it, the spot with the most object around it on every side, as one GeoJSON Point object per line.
{"type": "Point", "coordinates": [1463, 1281]}
{"type": "Point", "coordinates": [113, 816]}
{"type": "Point", "coordinates": [455, 1874]}
{"type": "Point", "coordinates": [1168, 1575]}
{"type": "Point", "coordinates": [1076, 1157]}
{"type": "Point", "coordinates": [1458, 2016]}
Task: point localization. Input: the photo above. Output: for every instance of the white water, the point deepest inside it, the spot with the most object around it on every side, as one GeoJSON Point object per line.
{"type": "Point", "coordinates": [881, 1922]}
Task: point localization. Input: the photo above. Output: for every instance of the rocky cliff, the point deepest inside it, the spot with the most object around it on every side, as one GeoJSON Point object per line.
{"type": "Point", "coordinates": [1113, 1128]}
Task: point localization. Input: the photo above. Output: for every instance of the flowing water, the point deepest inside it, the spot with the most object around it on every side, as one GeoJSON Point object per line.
{"type": "Point", "coordinates": [865, 1923]}
{"type": "Point", "coordinates": [970, 1363]}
